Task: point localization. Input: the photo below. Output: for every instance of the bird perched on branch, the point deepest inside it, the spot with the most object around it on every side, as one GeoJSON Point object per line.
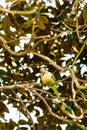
{"type": "Point", "coordinates": [49, 79]}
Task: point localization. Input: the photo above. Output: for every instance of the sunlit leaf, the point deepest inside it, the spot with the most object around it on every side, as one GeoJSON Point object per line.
{"type": "Point", "coordinates": [9, 0]}
{"type": "Point", "coordinates": [28, 23]}
{"type": "Point", "coordinates": [85, 14]}
{"type": "Point", "coordinates": [41, 25]}
{"type": "Point", "coordinates": [1, 25]}
{"type": "Point", "coordinates": [6, 25]}
{"type": "Point", "coordinates": [43, 19]}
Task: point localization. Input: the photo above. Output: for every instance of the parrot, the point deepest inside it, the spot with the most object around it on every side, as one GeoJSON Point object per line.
{"type": "Point", "coordinates": [48, 78]}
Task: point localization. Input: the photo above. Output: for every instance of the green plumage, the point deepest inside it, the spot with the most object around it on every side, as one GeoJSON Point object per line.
{"type": "Point", "coordinates": [48, 78]}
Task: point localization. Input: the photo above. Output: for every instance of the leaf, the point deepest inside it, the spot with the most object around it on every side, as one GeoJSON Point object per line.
{"type": "Point", "coordinates": [3, 108]}
{"type": "Point", "coordinates": [25, 93]}
{"type": "Point", "coordinates": [28, 23]}
{"type": "Point", "coordinates": [6, 25]}
{"type": "Point", "coordinates": [9, 0]}
{"type": "Point", "coordinates": [43, 19]}
{"type": "Point", "coordinates": [59, 127]}
{"type": "Point", "coordinates": [41, 25]}
{"type": "Point", "coordinates": [3, 126]}
{"type": "Point", "coordinates": [69, 109]}
{"type": "Point", "coordinates": [22, 122]}
{"type": "Point", "coordinates": [3, 73]}
{"type": "Point", "coordinates": [1, 26]}
{"type": "Point", "coordinates": [69, 127]}
{"type": "Point", "coordinates": [85, 14]}
{"type": "Point", "coordinates": [12, 124]}
{"type": "Point", "coordinates": [52, 127]}
{"type": "Point", "coordinates": [34, 14]}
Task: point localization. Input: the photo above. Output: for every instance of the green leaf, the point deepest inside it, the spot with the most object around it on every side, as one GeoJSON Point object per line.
{"type": "Point", "coordinates": [3, 73]}
{"type": "Point", "coordinates": [70, 109]}
{"type": "Point", "coordinates": [22, 122]}
{"type": "Point", "coordinates": [30, 9]}
{"type": "Point", "coordinates": [69, 127]}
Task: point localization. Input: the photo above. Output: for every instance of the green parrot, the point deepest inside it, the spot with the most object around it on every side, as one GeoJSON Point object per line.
{"type": "Point", "coordinates": [48, 79]}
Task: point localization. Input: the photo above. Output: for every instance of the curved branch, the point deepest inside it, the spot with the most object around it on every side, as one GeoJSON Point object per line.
{"type": "Point", "coordinates": [23, 106]}
{"type": "Point", "coordinates": [50, 61]}
{"type": "Point", "coordinates": [27, 86]}
{"type": "Point", "coordinates": [18, 12]}
{"type": "Point", "coordinates": [6, 47]}
{"type": "Point", "coordinates": [85, 42]}
{"type": "Point", "coordinates": [55, 115]}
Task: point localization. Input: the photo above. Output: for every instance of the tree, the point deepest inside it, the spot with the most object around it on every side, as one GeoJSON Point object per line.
{"type": "Point", "coordinates": [52, 35]}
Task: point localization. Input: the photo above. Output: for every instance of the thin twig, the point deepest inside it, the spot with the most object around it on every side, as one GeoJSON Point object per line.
{"type": "Point", "coordinates": [82, 48]}
{"type": "Point", "coordinates": [23, 106]}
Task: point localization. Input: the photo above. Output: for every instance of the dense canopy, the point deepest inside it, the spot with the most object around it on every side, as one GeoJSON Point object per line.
{"type": "Point", "coordinates": [50, 34]}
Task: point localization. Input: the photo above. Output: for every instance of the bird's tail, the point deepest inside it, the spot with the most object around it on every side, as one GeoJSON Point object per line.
{"type": "Point", "coordinates": [56, 92]}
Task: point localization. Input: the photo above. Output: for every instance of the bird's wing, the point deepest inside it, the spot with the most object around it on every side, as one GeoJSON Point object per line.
{"type": "Point", "coordinates": [53, 78]}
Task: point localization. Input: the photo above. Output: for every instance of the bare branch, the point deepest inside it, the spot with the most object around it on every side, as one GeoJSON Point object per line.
{"type": "Point", "coordinates": [18, 12]}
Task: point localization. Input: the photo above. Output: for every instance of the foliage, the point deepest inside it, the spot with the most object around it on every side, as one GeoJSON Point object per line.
{"type": "Point", "coordinates": [52, 35]}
